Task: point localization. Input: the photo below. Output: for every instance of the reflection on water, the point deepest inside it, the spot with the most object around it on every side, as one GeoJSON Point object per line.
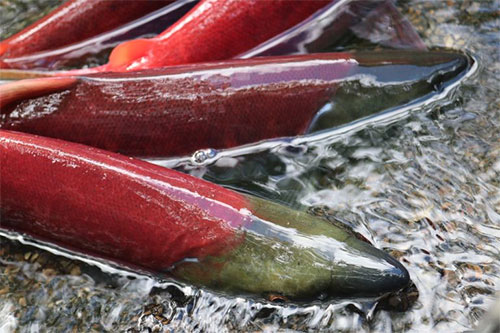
{"type": "Point", "coordinates": [425, 189]}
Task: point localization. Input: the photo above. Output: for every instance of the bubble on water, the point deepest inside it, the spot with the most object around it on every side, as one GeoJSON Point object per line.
{"type": "Point", "coordinates": [203, 156]}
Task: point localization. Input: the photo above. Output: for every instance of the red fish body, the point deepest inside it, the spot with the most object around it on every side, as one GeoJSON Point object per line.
{"type": "Point", "coordinates": [76, 53]}
{"type": "Point", "coordinates": [140, 212]}
{"type": "Point", "coordinates": [177, 110]}
{"type": "Point", "coordinates": [73, 21]}
{"type": "Point", "coordinates": [377, 21]}
{"type": "Point", "coordinates": [133, 212]}
{"type": "Point", "coordinates": [213, 30]}
{"type": "Point", "coordinates": [223, 29]}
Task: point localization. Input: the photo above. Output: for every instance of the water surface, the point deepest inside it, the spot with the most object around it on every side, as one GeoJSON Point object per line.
{"type": "Point", "coordinates": [425, 188]}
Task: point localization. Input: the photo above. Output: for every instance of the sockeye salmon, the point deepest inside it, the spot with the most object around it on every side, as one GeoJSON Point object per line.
{"type": "Point", "coordinates": [167, 222]}
{"type": "Point", "coordinates": [198, 37]}
{"type": "Point", "coordinates": [177, 110]}
{"type": "Point", "coordinates": [377, 21]}
{"type": "Point", "coordinates": [76, 54]}
{"type": "Point", "coordinates": [73, 21]}
{"type": "Point", "coordinates": [213, 30]}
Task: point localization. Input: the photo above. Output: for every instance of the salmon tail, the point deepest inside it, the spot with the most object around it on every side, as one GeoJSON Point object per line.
{"type": "Point", "coordinates": [386, 26]}
{"type": "Point", "coordinates": [29, 88]}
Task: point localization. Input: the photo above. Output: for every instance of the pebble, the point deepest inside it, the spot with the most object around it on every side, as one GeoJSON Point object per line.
{"type": "Point", "coordinates": [76, 270]}
{"type": "Point", "coordinates": [22, 301]}
{"type": "Point", "coordinates": [4, 290]}
{"type": "Point", "coordinates": [34, 257]}
{"type": "Point", "coordinates": [49, 272]}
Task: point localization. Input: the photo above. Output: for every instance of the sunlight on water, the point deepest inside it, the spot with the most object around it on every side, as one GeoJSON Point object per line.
{"type": "Point", "coordinates": [425, 188]}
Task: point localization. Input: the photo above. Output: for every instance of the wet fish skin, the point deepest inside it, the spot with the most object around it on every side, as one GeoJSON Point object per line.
{"type": "Point", "coordinates": [378, 21]}
{"type": "Point", "coordinates": [275, 258]}
{"type": "Point", "coordinates": [111, 204]}
{"type": "Point", "coordinates": [221, 104]}
{"type": "Point", "coordinates": [161, 220]}
{"type": "Point", "coordinates": [73, 21]}
{"type": "Point", "coordinates": [213, 30]}
{"type": "Point", "coordinates": [76, 53]}
{"type": "Point", "coordinates": [152, 113]}
{"type": "Point", "coordinates": [318, 32]}
{"type": "Point", "coordinates": [254, 28]}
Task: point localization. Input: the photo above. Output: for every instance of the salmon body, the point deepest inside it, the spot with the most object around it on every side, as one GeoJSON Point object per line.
{"type": "Point", "coordinates": [153, 113]}
{"type": "Point", "coordinates": [76, 53]}
{"type": "Point", "coordinates": [161, 220]}
{"type": "Point", "coordinates": [377, 21]}
{"type": "Point", "coordinates": [223, 29]}
{"type": "Point", "coordinates": [140, 212]}
{"type": "Point", "coordinates": [177, 110]}
{"type": "Point", "coordinates": [213, 30]}
{"type": "Point", "coordinates": [73, 21]}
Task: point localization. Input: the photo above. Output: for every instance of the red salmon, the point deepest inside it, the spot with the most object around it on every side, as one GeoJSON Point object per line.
{"type": "Point", "coordinates": [73, 21]}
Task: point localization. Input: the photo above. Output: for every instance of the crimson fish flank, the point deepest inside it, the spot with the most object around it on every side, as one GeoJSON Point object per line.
{"type": "Point", "coordinates": [213, 30]}
{"type": "Point", "coordinates": [152, 113]}
{"type": "Point", "coordinates": [139, 214]}
{"type": "Point", "coordinates": [222, 104]}
{"type": "Point", "coordinates": [73, 21]}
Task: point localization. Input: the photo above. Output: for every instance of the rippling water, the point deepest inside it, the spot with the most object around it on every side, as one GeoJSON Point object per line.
{"type": "Point", "coordinates": [425, 188]}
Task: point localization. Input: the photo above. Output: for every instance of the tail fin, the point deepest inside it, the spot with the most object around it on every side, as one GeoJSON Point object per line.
{"type": "Point", "coordinates": [385, 25]}
{"type": "Point", "coordinates": [18, 90]}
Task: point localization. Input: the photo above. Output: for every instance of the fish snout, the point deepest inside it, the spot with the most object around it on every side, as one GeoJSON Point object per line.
{"type": "Point", "coordinates": [372, 272]}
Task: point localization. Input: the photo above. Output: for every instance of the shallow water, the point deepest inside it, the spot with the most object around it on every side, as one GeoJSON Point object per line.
{"type": "Point", "coordinates": [425, 188]}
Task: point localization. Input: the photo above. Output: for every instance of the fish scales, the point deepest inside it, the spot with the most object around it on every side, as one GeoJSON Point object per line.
{"type": "Point", "coordinates": [154, 115]}
{"type": "Point", "coordinates": [73, 21]}
{"type": "Point", "coordinates": [179, 109]}
{"type": "Point", "coordinates": [160, 220]}
{"type": "Point", "coordinates": [139, 211]}
{"type": "Point", "coordinates": [213, 30]}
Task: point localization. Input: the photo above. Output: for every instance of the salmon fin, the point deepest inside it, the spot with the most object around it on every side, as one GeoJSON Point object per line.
{"type": "Point", "coordinates": [125, 53]}
{"type": "Point", "coordinates": [387, 27]}
{"type": "Point", "coordinates": [3, 47]}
